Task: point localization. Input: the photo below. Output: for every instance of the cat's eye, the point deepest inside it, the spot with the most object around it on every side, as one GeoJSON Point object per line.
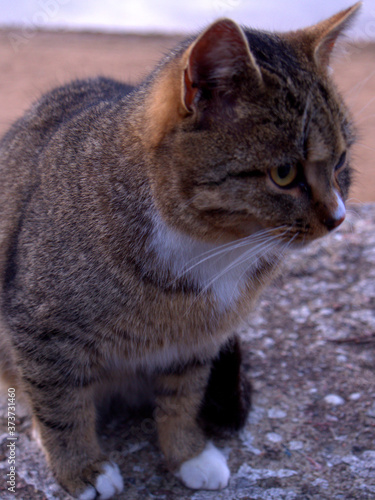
{"type": "Point", "coordinates": [284, 176]}
{"type": "Point", "coordinates": [341, 162]}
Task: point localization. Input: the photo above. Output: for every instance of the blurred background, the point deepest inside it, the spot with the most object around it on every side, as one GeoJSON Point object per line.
{"type": "Point", "coordinates": [175, 17]}
{"type": "Point", "coordinates": [44, 43]}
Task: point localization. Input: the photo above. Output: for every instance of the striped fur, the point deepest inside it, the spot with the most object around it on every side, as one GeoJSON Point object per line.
{"type": "Point", "coordinates": [138, 226]}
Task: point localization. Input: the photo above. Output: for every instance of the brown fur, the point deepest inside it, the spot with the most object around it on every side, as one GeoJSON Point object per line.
{"type": "Point", "coordinates": [110, 194]}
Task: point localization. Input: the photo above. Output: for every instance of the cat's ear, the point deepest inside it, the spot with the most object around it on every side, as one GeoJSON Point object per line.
{"type": "Point", "coordinates": [220, 53]}
{"type": "Point", "coordinates": [322, 37]}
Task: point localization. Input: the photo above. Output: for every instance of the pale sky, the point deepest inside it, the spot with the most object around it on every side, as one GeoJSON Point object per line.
{"type": "Point", "coordinates": [172, 16]}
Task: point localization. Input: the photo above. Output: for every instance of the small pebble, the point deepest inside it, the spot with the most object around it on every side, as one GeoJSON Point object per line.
{"type": "Point", "coordinates": [355, 396]}
{"type": "Point", "coordinates": [326, 311]}
{"type": "Point", "coordinates": [369, 455]}
{"type": "Point", "coordinates": [334, 399]}
{"type": "Point", "coordinates": [295, 445]}
{"type": "Point", "coordinates": [276, 413]}
{"type": "Point", "coordinates": [268, 342]}
{"type": "Point", "coordinates": [331, 418]}
{"type": "Point", "coordinates": [273, 437]}
{"type": "Point", "coordinates": [321, 483]}
{"type": "Point", "coordinates": [341, 358]}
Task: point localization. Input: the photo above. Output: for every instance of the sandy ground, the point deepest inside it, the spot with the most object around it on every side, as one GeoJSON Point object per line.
{"type": "Point", "coordinates": [31, 63]}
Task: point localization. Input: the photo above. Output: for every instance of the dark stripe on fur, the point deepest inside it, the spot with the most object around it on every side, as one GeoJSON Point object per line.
{"type": "Point", "coordinates": [56, 426]}
{"type": "Point", "coordinates": [10, 271]}
{"type": "Point", "coordinates": [245, 174]}
{"type": "Point", "coordinates": [167, 285]}
{"type": "Point", "coordinates": [182, 368]}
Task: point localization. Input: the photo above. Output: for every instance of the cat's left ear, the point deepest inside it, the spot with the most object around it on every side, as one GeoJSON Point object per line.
{"type": "Point", "coordinates": [323, 36]}
{"type": "Point", "coordinates": [219, 54]}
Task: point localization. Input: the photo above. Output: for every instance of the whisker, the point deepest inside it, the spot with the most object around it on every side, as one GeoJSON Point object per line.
{"type": "Point", "coordinates": [240, 260]}
{"type": "Point", "coordinates": [352, 216]}
{"type": "Point", "coordinates": [357, 115]}
{"type": "Point", "coordinates": [359, 122]}
{"type": "Point", "coordinates": [226, 248]}
{"type": "Point", "coordinates": [283, 249]}
{"type": "Point", "coordinates": [366, 146]}
{"type": "Point", "coordinates": [260, 248]}
{"type": "Point", "coordinates": [253, 254]}
{"type": "Point", "coordinates": [359, 86]}
{"type": "Point", "coordinates": [191, 200]}
{"type": "Point", "coordinates": [354, 201]}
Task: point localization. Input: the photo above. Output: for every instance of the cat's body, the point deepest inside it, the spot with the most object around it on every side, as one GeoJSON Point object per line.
{"type": "Point", "coordinates": [138, 226]}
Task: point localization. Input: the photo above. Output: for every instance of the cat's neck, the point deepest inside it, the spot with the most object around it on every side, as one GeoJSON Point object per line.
{"type": "Point", "coordinates": [223, 271]}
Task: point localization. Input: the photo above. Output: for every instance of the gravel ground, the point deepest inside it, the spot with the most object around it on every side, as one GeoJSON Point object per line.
{"type": "Point", "coordinates": [309, 348]}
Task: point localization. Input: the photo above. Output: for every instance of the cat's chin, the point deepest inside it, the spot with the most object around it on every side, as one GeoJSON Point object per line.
{"type": "Point", "coordinates": [299, 245]}
{"type": "Point", "coordinates": [305, 240]}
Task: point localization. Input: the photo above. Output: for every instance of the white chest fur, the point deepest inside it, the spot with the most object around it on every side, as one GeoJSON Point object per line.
{"type": "Point", "coordinates": [221, 269]}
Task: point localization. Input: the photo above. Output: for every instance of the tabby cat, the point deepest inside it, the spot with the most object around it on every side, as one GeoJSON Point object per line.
{"type": "Point", "coordinates": [138, 226]}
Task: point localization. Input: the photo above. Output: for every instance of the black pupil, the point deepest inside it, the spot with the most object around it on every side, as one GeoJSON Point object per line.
{"type": "Point", "coordinates": [284, 171]}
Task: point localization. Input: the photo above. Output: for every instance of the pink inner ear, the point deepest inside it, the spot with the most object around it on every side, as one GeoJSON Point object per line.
{"type": "Point", "coordinates": [330, 45]}
{"type": "Point", "coordinates": [325, 34]}
{"type": "Point", "coordinates": [325, 49]}
{"type": "Point", "coordinates": [190, 91]}
{"type": "Point", "coordinates": [219, 53]}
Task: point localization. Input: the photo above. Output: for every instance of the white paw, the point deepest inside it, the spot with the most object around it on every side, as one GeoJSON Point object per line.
{"type": "Point", "coordinates": [107, 484]}
{"type": "Point", "coordinates": [207, 471]}
{"type": "Point", "coordinates": [88, 494]}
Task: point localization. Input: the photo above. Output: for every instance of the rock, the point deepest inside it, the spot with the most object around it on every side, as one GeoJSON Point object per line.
{"type": "Point", "coordinates": [274, 437]}
{"type": "Point", "coordinates": [276, 413]}
{"type": "Point", "coordinates": [334, 399]}
{"type": "Point", "coordinates": [295, 445]}
{"type": "Point", "coordinates": [355, 396]}
{"type": "Point", "coordinates": [255, 475]}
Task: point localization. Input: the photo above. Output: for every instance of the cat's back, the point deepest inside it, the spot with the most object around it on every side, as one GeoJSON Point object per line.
{"type": "Point", "coordinates": [34, 135]}
{"type": "Point", "coordinates": [54, 109]}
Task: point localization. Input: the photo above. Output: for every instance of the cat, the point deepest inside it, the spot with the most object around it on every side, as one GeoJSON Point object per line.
{"type": "Point", "coordinates": [139, 224]}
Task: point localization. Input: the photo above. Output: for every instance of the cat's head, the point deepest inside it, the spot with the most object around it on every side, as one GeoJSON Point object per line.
{"type": "Point", "coordinates": [247, 132]}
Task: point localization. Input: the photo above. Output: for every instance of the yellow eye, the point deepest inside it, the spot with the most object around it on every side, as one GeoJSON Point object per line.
{"type": "Point", "coordinates": [284, 176]}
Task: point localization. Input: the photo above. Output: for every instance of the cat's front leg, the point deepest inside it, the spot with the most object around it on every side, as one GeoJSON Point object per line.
{"type": "Point", "coordinates": [196, 462]}
{"type": "Point", "coordinates": [64, 420]}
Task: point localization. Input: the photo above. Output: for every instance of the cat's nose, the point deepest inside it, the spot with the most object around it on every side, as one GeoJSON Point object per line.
{"type": "Point", "coordinates": [337, 217]}
{"type": "Point", "coordinates": [332, 223]}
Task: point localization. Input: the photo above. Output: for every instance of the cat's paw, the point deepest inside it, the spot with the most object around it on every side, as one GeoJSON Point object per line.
{"type": "Point", "coordinates": [207, 471]}
{"type": "Point", "coordinates": [107, 484]}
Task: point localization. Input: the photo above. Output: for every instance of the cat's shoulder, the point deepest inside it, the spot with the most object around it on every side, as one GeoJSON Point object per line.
{"type": "Point", "coordinates": [72, 98]}
{"type": "Point", "coordinates": [64, 101]}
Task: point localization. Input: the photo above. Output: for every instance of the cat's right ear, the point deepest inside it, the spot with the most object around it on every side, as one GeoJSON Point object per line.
{"type": "Point", "coordinates": [321, 38]}
{"type": "Point", "coordinates": [219, 54]}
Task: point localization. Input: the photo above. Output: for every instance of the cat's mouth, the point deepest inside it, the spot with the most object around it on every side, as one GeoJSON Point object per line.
{"type": "Point", "coordinates": [300, 236]}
